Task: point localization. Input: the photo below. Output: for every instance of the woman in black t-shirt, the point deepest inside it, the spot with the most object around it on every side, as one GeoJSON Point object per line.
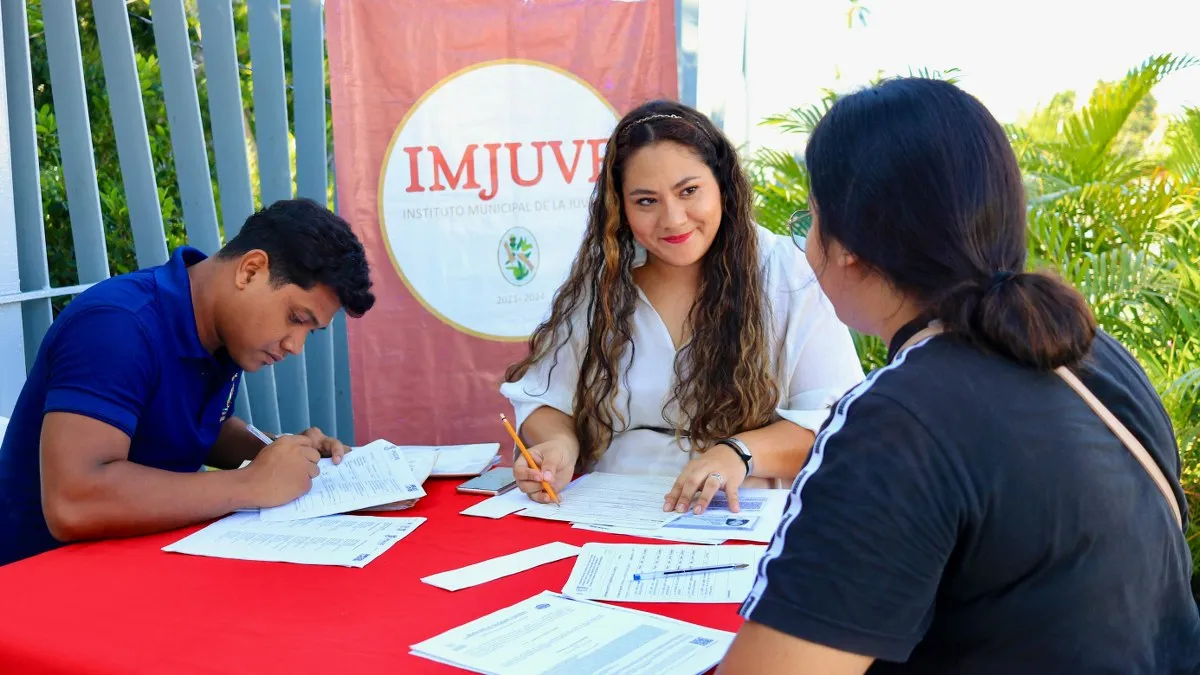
{"type": "Point", "coordinates": [964, 510]}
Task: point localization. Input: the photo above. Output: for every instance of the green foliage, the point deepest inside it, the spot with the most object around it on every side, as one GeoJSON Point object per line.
{"type": "Point", "coordinates": [114, 210]}
{"type": "Point", "coordinates": [1115, 218]}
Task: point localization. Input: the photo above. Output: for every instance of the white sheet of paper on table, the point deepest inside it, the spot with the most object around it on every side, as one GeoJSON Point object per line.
{"type": "Point", "coordinates": [611, 499]}
{"type": "Point", "coordinates": [506, 565]}
{"type": "Point", "coordinates": [664, 534]}
{"type": "Point", "coordinates": [373, 475]}
{"type": "Point", "coordinates": [549, 633]}
{"type": "Point", "coordinates": [605, 572]}
{"type": "Point", "coordinates": [348, 541]}
{"type": "Point", "coordinates": [499, 506]}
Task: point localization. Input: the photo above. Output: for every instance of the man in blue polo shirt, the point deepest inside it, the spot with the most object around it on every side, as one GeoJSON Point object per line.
{"type": "Point", "coordinates": [133, 386]}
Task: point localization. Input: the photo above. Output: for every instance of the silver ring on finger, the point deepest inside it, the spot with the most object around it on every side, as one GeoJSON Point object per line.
{"type": "Point", "coordinates": [719, 477]}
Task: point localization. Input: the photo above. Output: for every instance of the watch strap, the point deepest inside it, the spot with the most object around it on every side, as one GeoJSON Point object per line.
{"type": "Point", "coordinates": [742, 451]}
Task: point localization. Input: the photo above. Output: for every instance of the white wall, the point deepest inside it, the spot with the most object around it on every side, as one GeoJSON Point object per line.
{"type": "Point", "coordinates": [12, 341]}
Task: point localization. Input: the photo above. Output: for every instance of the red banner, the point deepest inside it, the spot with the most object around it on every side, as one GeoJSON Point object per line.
{"type": "Point", "coordinates": [468, 137]}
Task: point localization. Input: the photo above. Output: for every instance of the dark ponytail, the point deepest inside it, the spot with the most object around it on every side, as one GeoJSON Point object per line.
{"type": "Point", "coordinates": [918, 181]}
{"type": "Point", "coordinates": [1032, 318]}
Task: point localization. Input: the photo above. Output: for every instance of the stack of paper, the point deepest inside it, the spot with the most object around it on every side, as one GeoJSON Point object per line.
{"type": "Point", "coordinates": [632, 505]}
{"type": "Point", "coordinates": [375, 474]}
{"type": "Point", "coordinates": [307, 530]}
{"type": "Point", "coordinates": [554, 635]}
{"type": "Point", "coordinates": [421, 464]}
{"type": "Point", "coordinates": [458, 460]}
{"type": "Point", "coordinates": [349, 541]}
{"type": "Point", "coordinates": [611, 499]}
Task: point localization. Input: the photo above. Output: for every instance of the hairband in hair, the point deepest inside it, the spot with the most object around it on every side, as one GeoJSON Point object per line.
{"type": "Point", "coordinates": [663, 116]}
{"type": "Point", "coordinates": [999, 279]}
{"type": "Point", "coordinates": [656, 116]}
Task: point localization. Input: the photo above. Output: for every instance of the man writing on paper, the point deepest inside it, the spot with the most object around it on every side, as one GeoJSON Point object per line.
{"type": "Point", "coordinates": [132, 388]}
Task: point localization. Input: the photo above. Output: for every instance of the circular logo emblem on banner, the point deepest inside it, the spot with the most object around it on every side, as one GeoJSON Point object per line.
{"type": "Point", "coordinates": [494, 164]}
{"type": "Point", "coordinates": [518, 256]}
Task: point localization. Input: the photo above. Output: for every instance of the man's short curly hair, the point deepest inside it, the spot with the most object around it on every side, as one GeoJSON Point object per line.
{"type": "Point", "coordinates": [308, 244]}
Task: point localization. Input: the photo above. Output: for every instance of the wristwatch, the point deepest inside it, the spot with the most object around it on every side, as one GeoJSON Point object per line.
{"type": "Point", "coordinates": [742, 451]}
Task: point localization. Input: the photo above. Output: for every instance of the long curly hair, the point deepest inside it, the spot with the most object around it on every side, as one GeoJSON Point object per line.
{"type": "Point", "coordinates": [723, 377]}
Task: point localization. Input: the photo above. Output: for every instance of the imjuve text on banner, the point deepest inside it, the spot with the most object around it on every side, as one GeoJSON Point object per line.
{"type": "Point", "coordinates": [484, 192]}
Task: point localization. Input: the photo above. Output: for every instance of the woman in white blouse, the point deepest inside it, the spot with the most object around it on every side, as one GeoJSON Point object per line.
{"type": "Point", "coordinates": [686, 340]}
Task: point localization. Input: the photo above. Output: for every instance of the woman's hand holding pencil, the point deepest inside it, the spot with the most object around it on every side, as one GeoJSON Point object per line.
{"type": "Point", "coordinates": [543, 469]}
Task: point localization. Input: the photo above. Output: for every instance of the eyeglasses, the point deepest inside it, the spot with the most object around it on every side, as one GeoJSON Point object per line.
{"type": "Point", "coordinates": [798, 226]}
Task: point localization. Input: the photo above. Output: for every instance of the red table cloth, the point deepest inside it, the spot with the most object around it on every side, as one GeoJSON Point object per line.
{"type": "Point", "coordinates": [124, 606]}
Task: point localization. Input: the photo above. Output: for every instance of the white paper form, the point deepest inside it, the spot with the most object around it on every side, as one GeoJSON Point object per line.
{"type": "Point", "coordinates": [501, 505]}
{"type": "Point", "coordinates": [348, 541]}
{"type": "Point", "coordinates": [496, 568]}
{"type": "Point", "coordinates": [369, 476]}
{"type": "Point", "coordinates": [759, 515]}
{"type": "Point", "coordinates": [664, 534]}
{"type": "Point", "coordinates": [549, 634]}
{"type": "Point", "coordinates": [459, 460]}
{"type": "Point", "coordinates": [421, 464]}
{"type": "Point", "coordinates": [611, 499]}
{"type": "Point", "coordinates": [605, 572]}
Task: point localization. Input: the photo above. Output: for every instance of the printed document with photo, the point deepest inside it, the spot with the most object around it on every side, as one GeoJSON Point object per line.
{"type": "Point", "coordinates": [760, 512]}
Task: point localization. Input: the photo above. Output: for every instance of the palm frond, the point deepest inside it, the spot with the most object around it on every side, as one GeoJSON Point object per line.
{"type": "Point", "coordinates": [1183, 142]}
{"type": "Point", "coordinates": [803, 119]}
{"type": "Point", "coordinates": [780, 184]}
{"type": "Point", "coordinates": [1089, 134]}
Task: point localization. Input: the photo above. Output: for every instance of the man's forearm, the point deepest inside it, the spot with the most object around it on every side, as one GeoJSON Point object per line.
{"type": "Point", "coordinates": [234, 445]}
{"type": "Point", "coordinates": [123, 499]}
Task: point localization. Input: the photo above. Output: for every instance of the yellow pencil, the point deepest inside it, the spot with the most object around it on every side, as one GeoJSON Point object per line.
{"type": "Point", "coordinates": [528, 458]}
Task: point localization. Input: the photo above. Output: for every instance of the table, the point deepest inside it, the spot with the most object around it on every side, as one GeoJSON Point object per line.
{"type": "Point", "coordinates": [124, 606]}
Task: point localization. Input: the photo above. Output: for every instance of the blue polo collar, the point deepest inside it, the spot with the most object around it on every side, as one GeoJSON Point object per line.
{"type": "Point", "coordinates": [175, 302]}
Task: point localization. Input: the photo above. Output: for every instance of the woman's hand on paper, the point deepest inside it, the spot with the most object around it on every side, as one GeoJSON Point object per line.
{"type": "Point", "coordinates": [556, 459]}
{"type": "Point", "coordinates": [718, 467]}
{"type": "Point", "coordinates": [282, 471]}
